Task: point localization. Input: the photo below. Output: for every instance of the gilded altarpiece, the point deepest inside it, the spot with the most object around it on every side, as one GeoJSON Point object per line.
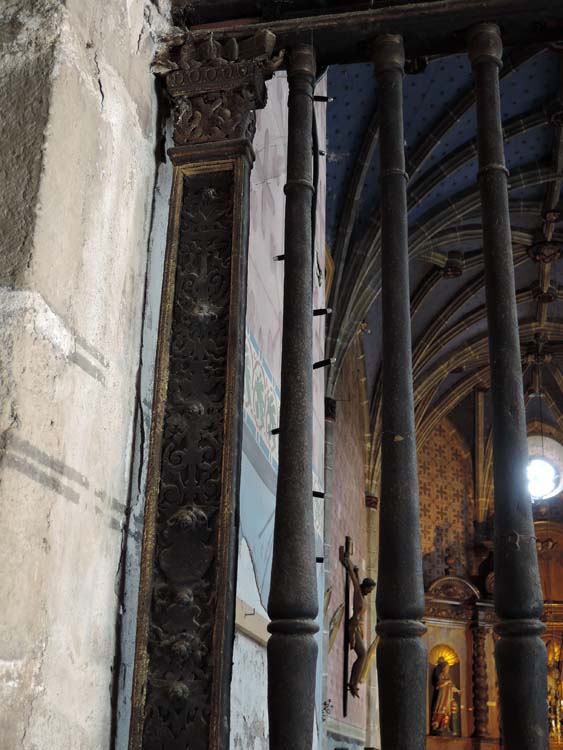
{"type": "Point", "coordinates": [549, 543]}
{"type": "Point", "coordinates": [460, 634]}
{"type": "Point", "coordinates": [187, 596]}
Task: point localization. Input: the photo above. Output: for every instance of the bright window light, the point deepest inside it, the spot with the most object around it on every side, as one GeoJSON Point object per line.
{"type": "Point", "coordinates": [542, 478]}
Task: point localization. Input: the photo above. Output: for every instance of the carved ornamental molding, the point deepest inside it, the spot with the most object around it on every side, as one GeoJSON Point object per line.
{"type": "Point", "coordinates": [185, 628]}
{"type": "Point", "coordinates": [454, 599]}
{"type": "Point", "coordinates": [181, 694]}
{"type": "Point", "coordinates": [190, 481]}
{"type": "Point", "coordinates": [437, 609]}
{"type": "Point", "coordinates": [454, 589]}
{"type": "Point", "coordinates": [553, 613]}
{"type": "Point", "coordinates": [216, 86]}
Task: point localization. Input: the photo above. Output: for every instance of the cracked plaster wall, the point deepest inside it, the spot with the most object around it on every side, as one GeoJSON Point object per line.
{"type": "Point", "coordinates": [248, 688]}
{"type": "Point", "coordinates": [78, 165]}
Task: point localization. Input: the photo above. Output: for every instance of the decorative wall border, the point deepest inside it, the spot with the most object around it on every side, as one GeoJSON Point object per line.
{"type": "Point", "coordinates": [261, 413]}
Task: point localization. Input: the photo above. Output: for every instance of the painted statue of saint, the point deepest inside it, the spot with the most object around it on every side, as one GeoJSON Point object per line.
{"type": "Point", "coordinates": [444, 703]}
{"type": "Point", "coordinates": [355, 624]}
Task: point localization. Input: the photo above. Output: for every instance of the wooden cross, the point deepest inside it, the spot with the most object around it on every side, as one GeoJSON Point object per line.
{"type": "Point", "coordinates": [346, 552]}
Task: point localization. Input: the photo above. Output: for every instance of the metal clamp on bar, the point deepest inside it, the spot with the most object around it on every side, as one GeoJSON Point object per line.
{"type": "Point", "coordinates": [297, 183]}
{"type": "Point", "coordinates": [493, 168]}
{"type": "Point", "coordinates": [324, 363]}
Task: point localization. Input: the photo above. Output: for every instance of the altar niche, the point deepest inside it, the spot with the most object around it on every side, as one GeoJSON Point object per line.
{"type": "Point", "coordinates": [444, 686]}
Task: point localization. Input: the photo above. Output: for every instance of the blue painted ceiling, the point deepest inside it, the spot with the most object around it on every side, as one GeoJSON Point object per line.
{"type": "Point", "coordinates": [438, 101]}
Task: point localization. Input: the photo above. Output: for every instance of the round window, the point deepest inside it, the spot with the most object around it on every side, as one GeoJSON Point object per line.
{"type": "Point", "coordinates": [542, 478]}
{"type": "Point", "coordinates": [545, 467]}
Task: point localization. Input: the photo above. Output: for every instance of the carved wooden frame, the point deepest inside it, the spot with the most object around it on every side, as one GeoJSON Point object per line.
{"type": "Point", "coordinates": [193, 163]}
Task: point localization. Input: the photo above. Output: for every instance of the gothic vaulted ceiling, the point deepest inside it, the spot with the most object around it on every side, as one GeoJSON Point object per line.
{"type": "Point", "coordinates": [447, 294]}
{"type": "Point", "coordinates": [447, 285]}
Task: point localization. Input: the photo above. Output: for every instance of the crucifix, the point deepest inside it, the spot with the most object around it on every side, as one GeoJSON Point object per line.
{"type": "Point", "coordinates": [354, 622]}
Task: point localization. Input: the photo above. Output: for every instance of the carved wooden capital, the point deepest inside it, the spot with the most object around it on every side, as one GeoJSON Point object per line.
{"type": "Point", "coordinates": [216, 86]}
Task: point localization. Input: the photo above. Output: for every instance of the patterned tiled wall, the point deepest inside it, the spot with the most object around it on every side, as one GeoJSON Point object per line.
{"type": "Point", "coordinates": [446, 501]}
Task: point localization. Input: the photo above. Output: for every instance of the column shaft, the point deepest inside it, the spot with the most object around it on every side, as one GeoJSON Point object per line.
{"type": "Point", "coordinates": [401, 654]}
{"type": "Point", "coordinates": [292, 606]}
{"type": "Point", "coordinates": [520, 653]}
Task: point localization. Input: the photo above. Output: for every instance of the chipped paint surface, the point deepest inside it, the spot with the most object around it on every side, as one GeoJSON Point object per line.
{"type": "Point", "coordinates": [39, 318]}
{"type": "Point", "coordinates": [249, 715]}
{"type": "Point", "coordinates": [79, 123]}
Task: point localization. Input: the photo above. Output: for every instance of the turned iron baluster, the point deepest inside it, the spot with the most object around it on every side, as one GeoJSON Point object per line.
{"type": "Point", "coordinates": [520, 653]}
{"type": "Point", "coordinates": [293, 606]}
{"type": "Point", "coordinates": [401, 653]}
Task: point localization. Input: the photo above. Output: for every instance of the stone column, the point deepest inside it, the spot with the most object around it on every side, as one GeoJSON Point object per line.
{"type": "Point", "coordinates": [292, 605]}
{"type": "Point", "coordinates": [520, 652]}
{"type": "Point", "coordinates": [187, 594]}
{"type": "Point", "coordinates": [401, 653]}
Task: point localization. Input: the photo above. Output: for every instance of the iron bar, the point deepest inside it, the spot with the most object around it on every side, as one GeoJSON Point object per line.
{"type": "Point", "coordinates": [292, 605]}
{"type": "Point", "coordinates": [401, 653]}
{"type": "Point", "coordinates": [323, 363]}
{"type": "Point", "coordinates": [520, 652]}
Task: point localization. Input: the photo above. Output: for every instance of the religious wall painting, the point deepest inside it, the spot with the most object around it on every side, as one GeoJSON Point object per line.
{"type": "Point", "coordinates": [262, 409]}
{"type": "Point", "coordinates": [260, 464]}
{"type": "Point", "coordinates": [444, 681]}
{"type": "Point", "coordinates": [453, 588]}
{"type": "Point", "coordinates": [261, 401]}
